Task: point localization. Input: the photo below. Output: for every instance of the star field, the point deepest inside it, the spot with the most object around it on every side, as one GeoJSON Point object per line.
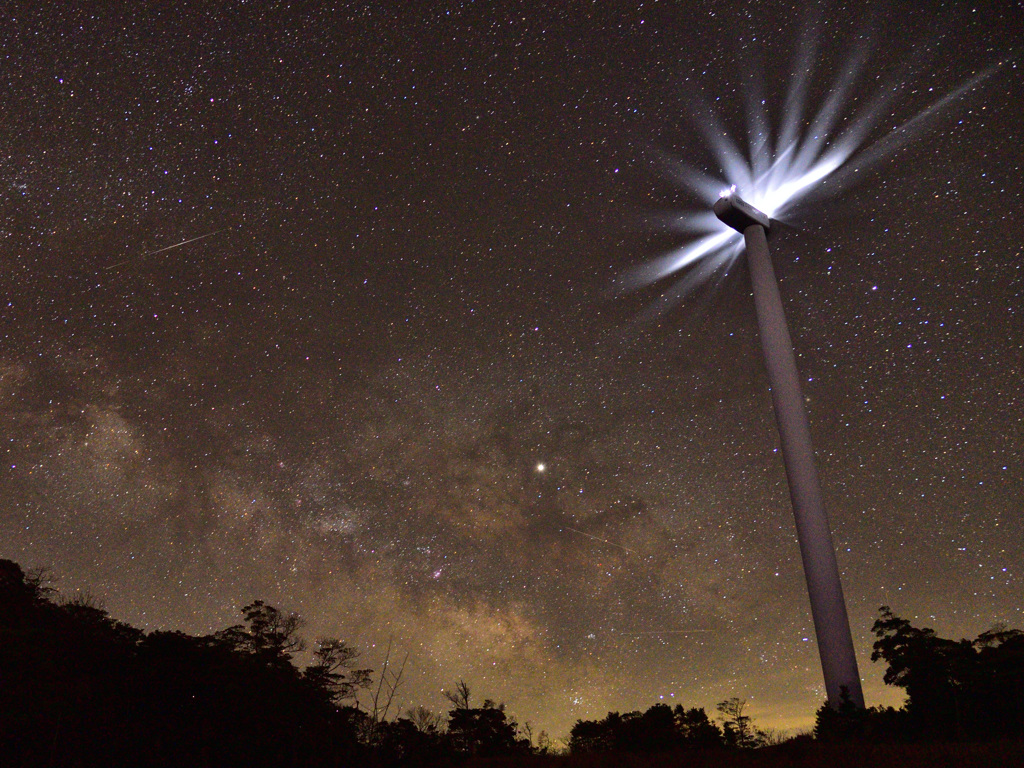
{"type": "Point", "coordinates": [392, 386]}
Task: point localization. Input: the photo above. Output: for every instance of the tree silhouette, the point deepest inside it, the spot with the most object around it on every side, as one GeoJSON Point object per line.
{"type": "Point", "coordinates": [737, 727]}
{"type": "Point", "coordinates": [332, 673]}
{"type": "Point", "coordinates": [483, 731]}
{"type": "Point", "coordinates": [696, 728]}
{"type": "Point", "coordinates": [934, 671]}
{"type": "Point", "coordinates": [959, 689]}
{"type": "Point", "coordinates": [459, 697]}
{"type": "Point", "coordinates": [79, 688]}
{"type": "Point", "coordinates": [425, 720]}
{"type": "Point", "coordinates": [268, 634]}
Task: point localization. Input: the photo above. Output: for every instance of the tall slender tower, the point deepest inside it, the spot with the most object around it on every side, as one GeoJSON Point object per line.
{"type": "Point", "coordinates": [831, 623]}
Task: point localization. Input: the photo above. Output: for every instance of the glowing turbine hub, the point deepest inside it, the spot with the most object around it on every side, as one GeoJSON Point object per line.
{"type": "Point", "coordinates": [738, 213]}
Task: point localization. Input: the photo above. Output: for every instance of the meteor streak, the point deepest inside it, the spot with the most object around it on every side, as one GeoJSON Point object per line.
{"type": "Point", "coordinates": [668, 632]}
{"type": "Point", "coordinates": [166, 248]}
{"type": "Point", "coordinates": [598, 538]}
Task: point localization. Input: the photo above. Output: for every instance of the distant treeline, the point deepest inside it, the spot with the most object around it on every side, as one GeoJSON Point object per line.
{"type": "Point", "coordinates": [78, 688]}
{"type": "Point", "coordinates": [663, 729]}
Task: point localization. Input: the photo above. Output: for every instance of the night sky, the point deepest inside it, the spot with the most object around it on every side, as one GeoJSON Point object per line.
{"type": "Point", "coordinates": [393, 386]}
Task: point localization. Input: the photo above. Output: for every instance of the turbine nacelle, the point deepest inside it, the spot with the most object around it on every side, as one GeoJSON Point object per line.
{"type": "Point", "coordinates": [734, 211]}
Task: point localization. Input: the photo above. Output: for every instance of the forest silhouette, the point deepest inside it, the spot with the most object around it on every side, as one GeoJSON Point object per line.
{"type": "Point", "coordinates": [79, 688]}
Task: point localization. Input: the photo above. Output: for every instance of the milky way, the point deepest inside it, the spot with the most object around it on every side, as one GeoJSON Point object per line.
{"type": "Point", "coordinates": [318, 306]}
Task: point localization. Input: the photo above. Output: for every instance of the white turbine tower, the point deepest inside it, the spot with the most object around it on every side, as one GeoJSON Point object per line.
{"type": "Point", "coordinates": [828, 607]}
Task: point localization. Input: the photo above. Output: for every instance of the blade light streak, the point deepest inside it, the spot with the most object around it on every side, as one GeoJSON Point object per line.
{"type": "Point", "coordinates": [776, 175]}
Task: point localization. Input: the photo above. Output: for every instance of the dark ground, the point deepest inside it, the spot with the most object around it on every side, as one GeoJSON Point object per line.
{"type": "Point", "coordinates": [795, 755]}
